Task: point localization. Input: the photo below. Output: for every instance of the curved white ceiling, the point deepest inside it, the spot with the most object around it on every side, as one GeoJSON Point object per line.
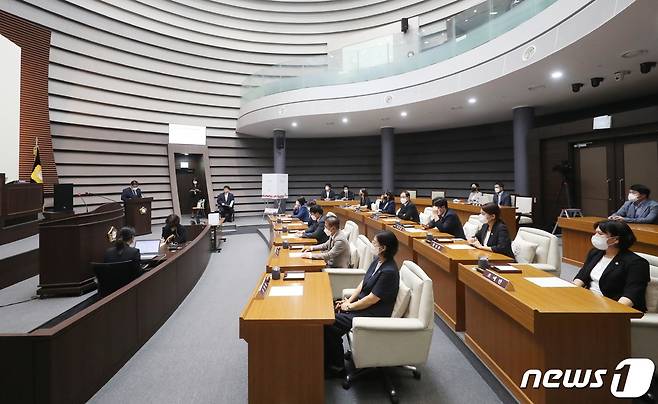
{"type": "Point", "coordinates": [581, 38]}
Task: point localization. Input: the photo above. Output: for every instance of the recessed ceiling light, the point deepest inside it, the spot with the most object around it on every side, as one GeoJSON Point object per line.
{"type": "Point", "coordinates": [557, 75]}
{"type": "Point", "coordinates": [426, 42]}
{"type": "Point", "coordinates": [403, 114]}
{"type": "Point", "coordinates": [294, 124]}
{"type": "Point", "coordinates": [472, 100]}
{"type": "Point", "coordinates": [475, 10]}
{"type": "Point", "coordinates": [466, 20]}
{"type": "Point", "coordinates": [634, 53]}
{"type": "Point", "coordinates": [345, 120]}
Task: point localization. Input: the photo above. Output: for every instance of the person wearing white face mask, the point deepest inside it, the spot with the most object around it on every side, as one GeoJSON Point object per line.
{"type": "Point", "coordinates": [336, 250]}
{"type": "Point", "coordinates": [328, 194]}
{"type": "Point", "coordinates": [639, 208]}
{"type": "Point", "coordinates": [346, 195]}
{"type": "Point", "coordinates": [132, 191]}
{"type": "Point", "coordinates": [493, 236]}
{"type": "Point", "coordinates": [316, 227]}
{"type": "Point", "coordinates": [408, 210]}
{"type": "Point", "coordinates": [501, 197]}
{"type": "Point", "coordinates": [374, 297]}
{"type": "Point", "coordinates": [611, 269]}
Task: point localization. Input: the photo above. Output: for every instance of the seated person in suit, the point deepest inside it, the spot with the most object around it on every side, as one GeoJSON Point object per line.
{"type": "Point", "coordinates": [316, 231]}
{"type": "Point", "coordinates": [373, 297]}
{"type": "Point", "coordinates": [475, 196]}
{"type": "Point", "coordinates": [346, 195]}
{"type": "Point", "coordinates": [639, 208]}
{"type": "Point", "coordinates": [336, 250]}
{"type": "Point", "coordinates": [611, 269]}
{"type": "Point", "coordinates": [387, 203]}
{"type": "Point", "coordinates": [501, 197]}
{"type": "Point", "coordinates": [173, 232]}
{"type": "Point", "coordinates": [328, 194]}
{"type": "Point", "coordinates": [122, 250]}
{"type": "Point", "coordinates": [444, 219]}
{"type": "Point", "coordinates": [408, 210]}
{"type": "Point", "coordinates": [132, 191]}
{"type": "Point", "coordinates": [225, 203]}
{"type": "Point", "coordinates": [300, 211]}
{"type": "Point", "coordinates": [364, 200]}
{"type": "Point", "coordinates": [493, 236]}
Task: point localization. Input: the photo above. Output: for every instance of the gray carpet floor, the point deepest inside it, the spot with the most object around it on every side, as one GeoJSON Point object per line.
{"type": "Point", "coordinates": [197, 356]}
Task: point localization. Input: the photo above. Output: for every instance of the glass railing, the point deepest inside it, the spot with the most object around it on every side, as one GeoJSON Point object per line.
{"type": "Point", "coordinates": [396, 53]}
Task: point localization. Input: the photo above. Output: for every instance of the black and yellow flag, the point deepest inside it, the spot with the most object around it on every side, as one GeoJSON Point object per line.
{"type": "Point", "coordinates": [36, 175]}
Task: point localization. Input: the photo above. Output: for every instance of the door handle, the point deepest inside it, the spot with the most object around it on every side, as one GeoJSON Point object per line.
{"type": "Point", "coordinates": [608, 181]}
{"type": "Point", "coordinates": [621, 189]}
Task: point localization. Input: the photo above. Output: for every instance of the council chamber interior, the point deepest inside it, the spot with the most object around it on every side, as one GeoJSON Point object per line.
{"type": "Point", "coordinates": [350, 201]}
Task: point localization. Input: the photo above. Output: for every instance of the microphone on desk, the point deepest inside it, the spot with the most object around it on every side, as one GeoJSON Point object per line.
{"type": "Point", "coordinates": [100, 196]}
{"type": "Point", "coordinates": [83, 201]}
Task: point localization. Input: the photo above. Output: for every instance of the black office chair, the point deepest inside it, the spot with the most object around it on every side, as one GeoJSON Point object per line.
{"type": "Point", "coordinates": [113, 276]}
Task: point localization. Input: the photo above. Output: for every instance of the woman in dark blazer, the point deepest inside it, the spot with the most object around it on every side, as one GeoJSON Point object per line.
{"type": "Point", "coordinates": [611, 269]}
{"type": "Point", "coordinates": [408, 210]}
{"type": "Point", "coordinates": [387, 203]}
{"type": "Point", "coordinates": [364, 200]}
{"type": "Point", "coordinates": [374, 297]}
{"type": "Point", "coordinates": [122, 249]}
{"type": "Point", "coordinates": [493, 236]}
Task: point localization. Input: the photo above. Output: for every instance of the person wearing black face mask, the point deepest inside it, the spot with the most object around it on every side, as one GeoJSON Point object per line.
{"type": "Point", "coordinates": [475, 196]}
{"type": "Point", "coordinates": [611, 269]}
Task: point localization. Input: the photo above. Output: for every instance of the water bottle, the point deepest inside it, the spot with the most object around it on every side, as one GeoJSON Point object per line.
{"type": "Point", "coordinates": [285, 244]}
{"type": "Point", "coordinates": [276, 273]}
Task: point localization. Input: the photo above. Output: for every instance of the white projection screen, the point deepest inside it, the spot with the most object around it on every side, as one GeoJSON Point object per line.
{"type": "Point", "coordinates": [10, 96]}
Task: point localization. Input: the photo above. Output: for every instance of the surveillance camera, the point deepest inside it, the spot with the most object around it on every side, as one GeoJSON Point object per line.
{"type": "Point", "coordinates": [575, 87]}
{"type": "Point", "coordinates": [596, 81]}
{"type": "Point", "coordinates": [619, 76]}
{"type": "Point", "coordinates": [647, 66]}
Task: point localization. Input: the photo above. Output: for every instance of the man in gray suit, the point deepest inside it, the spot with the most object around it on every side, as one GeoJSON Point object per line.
{"type": "Point", "coordinates": [336, 250]}
{"type": "Point", "coordinates": [639, 208]}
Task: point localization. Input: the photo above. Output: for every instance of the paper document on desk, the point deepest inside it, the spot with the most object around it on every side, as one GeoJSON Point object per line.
{"type": "Point", "coordinates": [296, 255]}
{"type": "Point", "coordinates": [293, 290]}
{"type": "Point", "coordinates": [460, 247]}
{"type": "Point", "coordinates": [288, 236]}
{"type": "Point", "coordinates": [390, 220]}
{"type": "Point", "coordinates": [414, 230]}
{"type": "Point", "coordinates": [550, 282]}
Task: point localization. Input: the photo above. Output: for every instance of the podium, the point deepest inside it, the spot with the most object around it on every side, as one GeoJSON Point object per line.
{"type": "Point", "coordinates": [138, 214]}
{"type": "Point", "coordinates": [68, 245]}
{"type": "Point", "coordinates": [19, 205]}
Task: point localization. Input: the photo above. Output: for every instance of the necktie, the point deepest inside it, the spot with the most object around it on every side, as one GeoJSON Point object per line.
{"type": "Point", "coordinates": [135, 192]}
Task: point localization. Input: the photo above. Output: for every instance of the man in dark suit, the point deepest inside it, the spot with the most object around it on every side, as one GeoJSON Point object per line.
{"type": "Point", "coordinates": [346, 195]}
{"type": "Point", "coordinates": [501, 197]}
{"type": "Point", "coordinates": [132, 191]}
{"type": "Point", "coordinates": [446, 220]}
{"type": "Point", "coordinates": [408, 210]}
{"type": "Point", "coordinates": [328, 194]}
{"type": "Point", "coordinates": [316, 230]}
{"type": "Point", "coordinates": [225, 203]}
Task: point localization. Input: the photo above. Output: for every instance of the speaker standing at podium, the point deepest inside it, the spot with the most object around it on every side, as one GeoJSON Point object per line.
{"type": "Point", "coordinates": [132, 191]}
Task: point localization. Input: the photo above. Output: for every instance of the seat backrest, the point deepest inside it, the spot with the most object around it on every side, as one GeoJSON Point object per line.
{"type": "Point", "coordinates": [114, 276]}
{"type": "Point", "coordinates": [548, 250]}
{"type": "Point", "coordinates": [351, 231]}
{"type": "Point", "coordinates": [523, 204]}
{"type": "Point", "coordinates": [426, 215]}
{"type": "Point", "coordinates": [412, 194]}
{"type": "Point", "coordinates": [364, 250]}
{"type": "Point", "coordinates": [472, 226]}
{"type": "Point", "coordinates": [512, 198]}
{"type": "Point", "coordinates": [438, 194]}
{"type": "Point", "coordinates": [421, 304]}
{"type": "Point", "coordinates": [486, 198]}
{"type": "Point", "coordinates": [652, 287]}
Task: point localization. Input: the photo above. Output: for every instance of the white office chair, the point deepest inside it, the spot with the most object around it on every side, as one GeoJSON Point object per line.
{"type": "Point", "coordinates": [472, 226]}
{"type": "Point", "coordinates": [342, 278]}
{"type": "Point", "coordinates": [351, 231]}
{"type": "Point", "coordinates": [523, 206]}
{"type": "Point", "coordinates": [644, 331]}
{"type": "Point", "coordinates": [426, 215]}
{"type": "Point", "coordinates": [438, 194]}
{"type": "Point", "coordinates": [538, 248]}
{"type": "Point", "coordinates": [486, 198]}
{"type": "Point", "coordinates": [401, 340]}
{"type": "Point", "coordinates": [412, 194]}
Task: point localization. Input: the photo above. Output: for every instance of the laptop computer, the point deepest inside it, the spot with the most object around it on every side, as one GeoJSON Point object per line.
{"type": "Point", "coordinates": [148, 249]}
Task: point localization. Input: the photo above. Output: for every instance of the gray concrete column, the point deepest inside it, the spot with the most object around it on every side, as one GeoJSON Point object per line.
{"type": "Point", "coordinates": [388, 161]}
{"type": "Point", "coordinates": [279, 144]}
{"type": "Point", "coordinates": [523, 123]}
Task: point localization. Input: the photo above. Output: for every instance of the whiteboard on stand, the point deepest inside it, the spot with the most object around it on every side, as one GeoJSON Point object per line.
{"type": "Point", "coordinates": [274, 186]}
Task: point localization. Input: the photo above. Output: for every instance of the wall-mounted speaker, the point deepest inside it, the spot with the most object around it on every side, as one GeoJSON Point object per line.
{"type": "Point", "coordinates": [404, 25]}
{"type": "Point", "coordinates": [63, 197]}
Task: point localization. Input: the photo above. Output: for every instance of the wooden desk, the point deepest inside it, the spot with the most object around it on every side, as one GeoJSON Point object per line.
{"type": "Point", "coordinates": [544, 328]}
{"type": "Point", "coordinates": [357, 216]}
{"type": "Point", "coordinates": [406, 238]}
{"type": "Point", "coordinates": [577, 233]}
{"type": "Point", "coordinates": [286, 263]}
{"type": "Point", "coordinates": [278, 240]}
{"type": "Point", "coordinates": [330, 206]}
{"type": "Point", "coordinates": [442, 267]}
{"type": "Point", "coordinates": [374, 226]}
{"type": "Point", "coordinates": [286, 342]}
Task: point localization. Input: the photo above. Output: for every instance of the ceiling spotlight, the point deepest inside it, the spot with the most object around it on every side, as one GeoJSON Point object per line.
{"type": "Point", "coordinates": [557, 75]}
{"type": "Point", "coordinates": [575, 87]}
{"type": "Point", "coordinates": [596, 81]}
{"type": "Point", "coordinates": [294, 124]}
{"type": "Point", "coordinates": [345, 120]}
{"type": "Point", "coordinates": [403, 114]}
{"type": "Point", "coordinates": [472, 100]}
{"type": "Point", "coordinates": [646, 67]}
{"type": "Point", "coordinates": [466, 20]}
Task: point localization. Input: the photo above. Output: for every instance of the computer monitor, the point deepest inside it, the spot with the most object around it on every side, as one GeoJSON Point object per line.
{"type": "Point", "coordinates": [148, 246]}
